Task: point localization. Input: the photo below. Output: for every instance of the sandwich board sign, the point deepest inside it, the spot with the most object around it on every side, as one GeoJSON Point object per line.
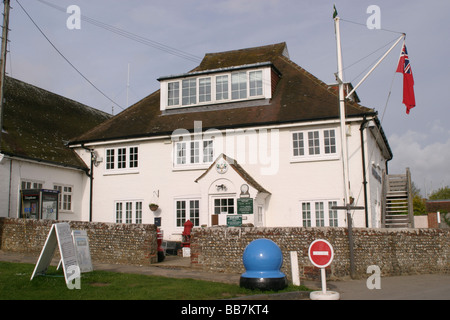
{"type": "Point", "coordinates": [60, 235]}
{"type": "Point", "coordinates": [81, 242]}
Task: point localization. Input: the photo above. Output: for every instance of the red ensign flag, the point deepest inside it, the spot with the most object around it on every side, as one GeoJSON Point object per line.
{"type": "Point", "coordinates": [408, 81]}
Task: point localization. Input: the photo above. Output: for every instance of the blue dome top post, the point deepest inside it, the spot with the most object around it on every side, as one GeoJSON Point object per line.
{"type": "Point", "coordinates": [262, 260]}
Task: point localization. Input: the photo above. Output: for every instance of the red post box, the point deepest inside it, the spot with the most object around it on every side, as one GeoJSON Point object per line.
{"type": "Point", "coordinates": [186, 235]}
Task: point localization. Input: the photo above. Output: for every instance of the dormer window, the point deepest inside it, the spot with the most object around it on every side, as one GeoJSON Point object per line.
{"type": "Point", "coordinates": [217, 86]}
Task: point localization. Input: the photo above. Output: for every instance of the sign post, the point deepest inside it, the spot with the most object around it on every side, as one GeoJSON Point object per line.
{"type": "Point", "coordinates": [321, 254]}
{"type": "Point", "coordinates": [348, 208]}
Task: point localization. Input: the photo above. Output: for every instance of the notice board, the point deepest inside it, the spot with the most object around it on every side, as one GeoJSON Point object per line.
{"type": "Point", "coordinates": [59, 236]}
{"type": "Point", "coordinates": [81, 242]}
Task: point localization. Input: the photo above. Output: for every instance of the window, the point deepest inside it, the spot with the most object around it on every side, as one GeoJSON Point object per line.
{"type": "Point", "coordinates": [128, 211]}
{"type": "Point", "coordinates": [65, 197]}
{"type": "Point", "coordinates": [332, 214]}
{"type": "Point", "coordinates": [110, 161]}
{"type": "Point", "coordinates": [184, 207]}
{"type": "Point", "coordinates": [216, 87]}
{"type": "Point", "coordinates": [299, 146]}
{"type": "Point", "coordinates": [119, 207]}
{"type": "Point", "coordinates": [238, 85]}
{"type": "Point", "coordinates": [138, 212]}
{"type": "Point", "coordinates": [195, 152]}
{"type": "Point", "coordinates": [255, 81]}
{"type": "Point", "coordinates": [314, 144]}
{"type": "Point", "coordinates": [181, 153]}
{"type": "Point", "coordinates": [320, 222]}
{"type": "Point", "coordinates": [319, 212]}
{"type": "Point", "coordinates": [329, 141]}
{"type": "Point", "coordinates": [224, 205]}
{"type": "Point", "coordinates": [173, 94]}
{"type": "Point", "coordinates": [134, 157]}
{"type": "Point", "coordinates": [222, 88]}
{"type": "Point", "coordinates": [122, 158]}
{"type": "Point", "coordinates": [29, 184]}
{"type": "Point", "coordinates": [208, 151]}
{"type": "Point", "coordinates": [189, 92]}
{"type": "Point", "coordinates": [204, 90]}
{"type": "Point", "coordinates": [306, 214]}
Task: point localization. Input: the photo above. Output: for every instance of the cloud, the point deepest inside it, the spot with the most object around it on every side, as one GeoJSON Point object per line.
{"type": "Point", "coordinates": [428, 161]}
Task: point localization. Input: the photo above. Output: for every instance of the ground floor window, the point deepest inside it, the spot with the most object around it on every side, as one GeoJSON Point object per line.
{"type": "Point", "coordinates": [188, 210]}
{"type": "Point", "coordinates": [128, 211]}
{"type": "Point", "coordinates": [319, 214]}
{"type": "Point", "coordinates": [65, 196]}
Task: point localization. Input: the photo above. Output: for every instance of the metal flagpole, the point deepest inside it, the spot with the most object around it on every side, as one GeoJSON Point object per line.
{"type": "Point", "coordinates": [348, 206]}
{"type": "Point", "coordinates": [340, 79]}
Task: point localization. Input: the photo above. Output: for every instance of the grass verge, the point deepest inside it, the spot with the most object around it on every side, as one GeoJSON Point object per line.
{"type": "Point", "coordinates": [15, 284]}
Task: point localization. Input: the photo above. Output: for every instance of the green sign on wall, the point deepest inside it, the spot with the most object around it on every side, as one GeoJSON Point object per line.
{"type": "Point", "coordinates": [234, 221]}
{"type": "Point", "coordinates": [245, 206]}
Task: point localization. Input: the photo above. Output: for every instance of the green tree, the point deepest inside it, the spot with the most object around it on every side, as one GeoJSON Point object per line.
{"type": "Point", "coordinates": [441, 194]}
{"type": "Point", "coordinates": [419, 206]}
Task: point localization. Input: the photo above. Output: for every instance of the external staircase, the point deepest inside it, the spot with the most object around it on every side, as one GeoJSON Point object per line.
{"type": "Point", "coordinates": [397, 206]}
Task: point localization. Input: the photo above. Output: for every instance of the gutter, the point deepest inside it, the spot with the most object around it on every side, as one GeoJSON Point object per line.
{"type": "Point", "coordinates": [363, 154]}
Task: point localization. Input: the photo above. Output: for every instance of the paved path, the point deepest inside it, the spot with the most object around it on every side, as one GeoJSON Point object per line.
{"type": "Point", "coordinates": [414, 287]}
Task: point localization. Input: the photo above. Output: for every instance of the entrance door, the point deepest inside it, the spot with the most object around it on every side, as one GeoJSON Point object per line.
{"type": "Point", "coordinates": [221, 207]}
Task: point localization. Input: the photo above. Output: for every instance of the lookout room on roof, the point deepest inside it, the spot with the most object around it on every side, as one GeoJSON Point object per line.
{"type": "Point", "coordinates": [216, 86]}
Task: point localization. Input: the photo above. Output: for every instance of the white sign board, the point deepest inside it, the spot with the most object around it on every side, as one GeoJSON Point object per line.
{"type": "Point", "coordinates": [81, 242]}
{"type": "Point", "coordinates": [60, 234]}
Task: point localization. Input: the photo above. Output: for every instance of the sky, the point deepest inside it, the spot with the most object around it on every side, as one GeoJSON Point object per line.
{"type": "Point", "coordinates": [121, 48]}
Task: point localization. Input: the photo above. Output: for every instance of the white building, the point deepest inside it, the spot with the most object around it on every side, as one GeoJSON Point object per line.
{"type": "Point", "coordinates": [246, 137]}
{"type": "Point", "coordinates": [34, 155]}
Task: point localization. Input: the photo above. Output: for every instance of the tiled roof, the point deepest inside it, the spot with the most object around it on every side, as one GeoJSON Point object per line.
{"type": "Point", "coordinates": [38, 124]}
{"type": "Point", "coordinates": [298, 97]}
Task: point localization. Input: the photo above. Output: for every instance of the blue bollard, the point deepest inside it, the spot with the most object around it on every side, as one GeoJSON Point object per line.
{"type": "Point", "coordinates": [262, 260]}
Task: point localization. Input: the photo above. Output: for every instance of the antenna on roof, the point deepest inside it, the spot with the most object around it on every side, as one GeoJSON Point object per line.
{"type": "Point", "coordinates": [128, 84]}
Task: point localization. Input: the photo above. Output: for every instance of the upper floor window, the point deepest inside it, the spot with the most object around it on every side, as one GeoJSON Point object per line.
{"type": "Point", "coordinates": [314, 144]}
{"type": "Point", "coordinates": [122, 158]}
{"type": "Point", "coordinates": [194, 152]}
{"type": "Point", "coordinates": [216, 86]}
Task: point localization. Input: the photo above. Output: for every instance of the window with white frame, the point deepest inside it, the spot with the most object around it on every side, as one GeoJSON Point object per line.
{"type": "Point", "coordinates": [224, 205]}
{"type": "Point", "coordinates": [65, 196]}
{"type": "Point", "coordinates": [189, 91]}
{"type": "Point", "coordinates": [128, 211]}
{"type": "Point", "coordinates": [319, 214]}
{"type": "Point", "coordinates": [187, 210]}
{"type": "Point", "coordinates": [30, 184]}
{"type": "Point", "coordinates": [216, 87]}
{"type": "Point", "coordinates": [204, 89]}
{"type": "Point", "coordinates": [173, 90]}
{"type": "Point", "coordinates": [238, 85]}
{"type": "Point", "coordinates": [122, 158]}
{"type": "Point", "coordinates": [314, 144]}
{"type": "Point", "coordinates": [195, 152]}
{"type": "Point", "coordinates": [222, 88]}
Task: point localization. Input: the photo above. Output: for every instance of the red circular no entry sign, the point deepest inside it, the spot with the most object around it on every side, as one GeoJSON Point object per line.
{"type": "Point", "coordinates": [320, 253]}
